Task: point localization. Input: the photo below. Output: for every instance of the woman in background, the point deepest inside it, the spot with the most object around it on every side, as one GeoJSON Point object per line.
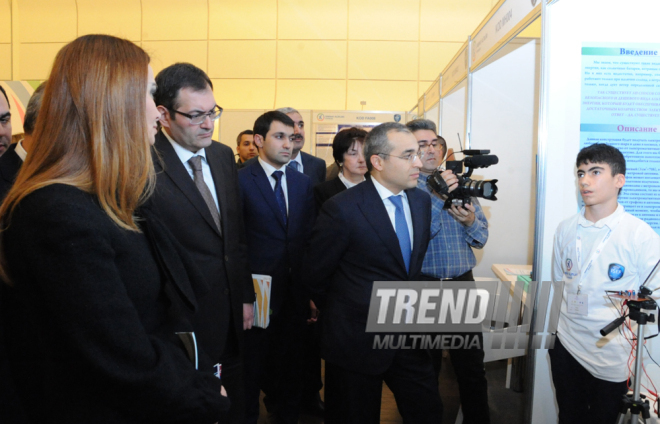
{"type": "Point", "coordinates": [92, 309]}
{"type": "Point", "coordinates": [349, 156]}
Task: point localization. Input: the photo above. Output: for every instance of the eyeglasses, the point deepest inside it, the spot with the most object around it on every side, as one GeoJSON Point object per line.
{"type": "Point", "coordinates": [409, 157]}
{"type": "Point", "coordinates": [435, 145]}
{"type": "Point", "coordinates": [197, 119]}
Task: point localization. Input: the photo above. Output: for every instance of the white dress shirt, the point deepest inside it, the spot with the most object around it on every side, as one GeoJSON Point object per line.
{"type": "Point", "coordinates": [633, 245]}
{"type": "Point", "coordinates": [347, 183]}
{"type": "Point", "coordinates": [20, 151]}
{"type": "Point", "coordinates": [185, 155]}
{"type": "Point", "coordinates": [269, 169]}
{"type": "Point", "coordinates": [391, 209]}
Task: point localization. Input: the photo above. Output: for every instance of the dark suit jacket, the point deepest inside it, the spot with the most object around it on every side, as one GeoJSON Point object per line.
{"type": "Point", "coordinates": [102, 342]}
{"type": "Point", "coordinates": [10, 164]}
{"type": "Point", "coordinates": [277, 249]}
{"type": "Point", "coordinates": [353, 245]}
{"type": "Point", "coordinates": [313, 167]}
{"type": "Point", "coordinates": [326, 190]}
{"type": "Point", "coordinates": [222, 259]}
{"type": "Point", "coordinates": [12, 410]}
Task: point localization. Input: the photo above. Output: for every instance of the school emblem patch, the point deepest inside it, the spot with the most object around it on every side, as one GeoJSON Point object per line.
{"type": "Point", "coordinates": [615, 272]}
{"type": "Point", "coordinates": [569, 264]}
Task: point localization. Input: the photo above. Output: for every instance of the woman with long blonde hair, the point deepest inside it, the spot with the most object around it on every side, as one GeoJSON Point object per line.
{"type": "Point", "coordinates": [93, 310]}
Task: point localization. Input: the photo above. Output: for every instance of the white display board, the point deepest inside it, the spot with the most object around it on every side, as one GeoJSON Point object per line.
{"type": "Point", "coordinates": [433, 114]}
{"type": "Point", "coordinates": [327, 123]}
{"type": "Point", "coordinates": [453, 117]}
{"type": "Point", "coordinates": [590, 21]}
{"type": "Point", "coordinates": [505, 93]}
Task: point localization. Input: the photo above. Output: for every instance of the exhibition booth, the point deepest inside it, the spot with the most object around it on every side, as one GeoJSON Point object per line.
{"type": "Point", "coordinates": [534, 94]}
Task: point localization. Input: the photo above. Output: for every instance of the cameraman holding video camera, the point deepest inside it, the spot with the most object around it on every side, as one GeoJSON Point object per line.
{"type": "Point", "coordinates": [454, 232]}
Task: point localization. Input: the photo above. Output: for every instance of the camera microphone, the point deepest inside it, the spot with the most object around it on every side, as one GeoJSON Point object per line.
{"type": "Point", "coordinates": [480, 161]}
{"type": "Point", "coordinates": [475, 152]}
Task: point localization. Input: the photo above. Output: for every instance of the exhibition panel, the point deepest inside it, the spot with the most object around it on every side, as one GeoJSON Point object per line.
{"type": "Point", "coordinates": [504, 120]}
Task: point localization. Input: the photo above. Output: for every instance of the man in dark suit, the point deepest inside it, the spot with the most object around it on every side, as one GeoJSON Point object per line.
{"type": "Point", "coordinates": [376, 231]}
{"type": "Point", "coordinates": [245, 148]}
{"type": "Point", "coordinates": [303, 162]}
{"type": "Point", "coordinates": [10, 163]}
{"type": "Point", "coordinates": [278, 207]}
{"type": "Point", "coordinates": [314, 168]}
{"type": "Point", "coordinates": [197, 197]}
{"type": "Point", "coordinates": [13, 158]}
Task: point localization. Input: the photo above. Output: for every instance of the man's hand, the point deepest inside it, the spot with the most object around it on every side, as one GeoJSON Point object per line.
{"type": "Point", "coordinates": [223, 392]}
{"type": "Point", "coordinates": [313, 312]}
{"type": "Point", "coordinates": [463, 214]}
{"type": "Point", "coordinates": [248, 316]}
{"type": "Point", "coordinates": [450, 179]}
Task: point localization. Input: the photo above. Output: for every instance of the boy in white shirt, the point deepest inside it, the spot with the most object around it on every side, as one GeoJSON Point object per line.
{"type": "Point", "coordinates": [601, 248]}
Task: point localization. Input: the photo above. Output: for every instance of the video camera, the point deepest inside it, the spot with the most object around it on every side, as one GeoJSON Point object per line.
{"type": "Point", "coordinates": [467, 188]}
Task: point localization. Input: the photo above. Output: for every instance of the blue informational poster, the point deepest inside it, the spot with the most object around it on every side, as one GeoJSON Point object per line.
{"type": "Point", "coordinates": [621, 107]}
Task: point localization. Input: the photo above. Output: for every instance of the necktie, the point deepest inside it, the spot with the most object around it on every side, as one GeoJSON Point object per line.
{"type": "Point", "coordinates": [293, 165]}
{"type": "Point", "coordinates": [196, 165]}
{"type": "Point", "coordinates": [401, 228]}
{"type": "Point", "coordinates": [279, 193]}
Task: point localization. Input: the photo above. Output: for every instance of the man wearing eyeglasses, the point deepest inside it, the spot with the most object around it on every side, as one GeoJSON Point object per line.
{"type": "Point", "coordinates": [375, 231]}
{"type": "Point", "coordinates": [198, 199]}
{"type": "Point", "coordinates": [454, 232]}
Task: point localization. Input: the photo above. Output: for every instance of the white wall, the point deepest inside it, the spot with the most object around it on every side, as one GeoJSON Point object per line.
{"type": "Point", "coordinates": [433, 114]}
{"type": "Point", "coordinates": [504, 120]}
{"type": "Point", "coordinates": [453, 116]}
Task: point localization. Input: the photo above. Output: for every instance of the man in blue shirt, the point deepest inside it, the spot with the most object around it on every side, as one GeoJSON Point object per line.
{"type": "Point", "coordinates": [454, 232]}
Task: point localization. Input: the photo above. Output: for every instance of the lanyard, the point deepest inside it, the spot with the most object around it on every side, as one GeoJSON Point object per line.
{"type": "Point", "coordinates": [594, 256]}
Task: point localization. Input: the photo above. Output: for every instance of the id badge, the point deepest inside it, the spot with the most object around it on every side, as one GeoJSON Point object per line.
{"type": "Point", "coordinates": [577, 304]}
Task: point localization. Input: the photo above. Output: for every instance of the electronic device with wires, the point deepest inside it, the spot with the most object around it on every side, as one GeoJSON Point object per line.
{"type": "Point", "coordinates": [641, 309]}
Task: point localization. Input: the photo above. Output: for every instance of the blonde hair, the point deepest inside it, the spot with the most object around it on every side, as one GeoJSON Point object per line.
{"type": "Point", "coordinates": [92, 132]}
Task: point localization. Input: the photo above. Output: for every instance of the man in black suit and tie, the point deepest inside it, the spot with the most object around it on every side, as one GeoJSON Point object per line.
{"type": "Point", "coordinates": [278, 207]}
{"type": "Point", "coordinates": [197, 197]}
{"type": "Point", "coordinates": [301, 161]}
{"type": "Point", "coordinates": [377, 231]}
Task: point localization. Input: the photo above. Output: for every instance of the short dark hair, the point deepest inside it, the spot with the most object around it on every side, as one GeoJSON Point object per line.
{"type": "Point", "coordinates": [344, 140]}
{"type": "Point", "coordinates": [378, 142]}
{"type": "Point", "coordinates": [32, 110]}
{"type": "Point", "coordinates": [262, 124]}
{"type": "Point", "coordinates": [603, 153]}
{"type": "Point", "coordinates": [175, 77]}
{"type": "Point", "coordinates": [426, 124]}
{"type": "Point", "coordinates": [422, 124]}
{"type": "Point", "coordinates": [241, 134]}
{"type": "Point", "coordinates": [6, 98]}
